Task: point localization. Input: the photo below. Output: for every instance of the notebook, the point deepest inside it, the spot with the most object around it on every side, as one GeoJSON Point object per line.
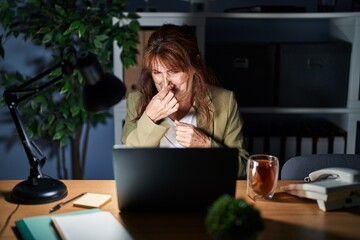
{"type": "Point", "coordinates": [95, 225]}
{"type": "Point", "coordinates": [173, 179]}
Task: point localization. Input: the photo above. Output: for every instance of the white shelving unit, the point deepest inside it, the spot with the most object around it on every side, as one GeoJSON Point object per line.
{"type": "Point", "coordinates": [344, 26]}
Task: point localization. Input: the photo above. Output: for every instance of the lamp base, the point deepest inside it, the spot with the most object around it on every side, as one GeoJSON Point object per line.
{"type": "Point", "coordinates": [45, 191]}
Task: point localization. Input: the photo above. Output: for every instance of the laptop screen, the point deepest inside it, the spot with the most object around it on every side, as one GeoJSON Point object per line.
{"type": "Point", "coordinates": [171, 179]}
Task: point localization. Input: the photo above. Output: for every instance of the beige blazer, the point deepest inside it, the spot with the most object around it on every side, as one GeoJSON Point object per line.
{"type": "Point", "coordinates": [225, 130]}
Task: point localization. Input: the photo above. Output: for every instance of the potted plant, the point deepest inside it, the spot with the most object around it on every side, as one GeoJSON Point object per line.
{"type": "Point", "coordinates": [66, 28]}
{"type": "Point", "coordinates": [233, 218]}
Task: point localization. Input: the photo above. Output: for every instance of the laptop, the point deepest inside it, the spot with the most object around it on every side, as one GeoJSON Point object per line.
{"type": "Point", "coordinates": [173, 179]}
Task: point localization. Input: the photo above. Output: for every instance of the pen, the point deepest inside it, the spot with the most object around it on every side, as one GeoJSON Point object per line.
{"type": "Point", "coordinates": [58, 206]}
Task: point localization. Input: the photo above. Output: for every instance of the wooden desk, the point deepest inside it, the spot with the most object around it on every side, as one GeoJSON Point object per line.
{"type": "Point", "coordinates": [286, 217]}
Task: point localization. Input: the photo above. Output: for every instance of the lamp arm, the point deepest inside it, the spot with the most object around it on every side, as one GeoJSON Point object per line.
{"type": "Point", "coordinates": [38, 77]}
{"type": "Point", "coordinates": [35, 156]}
{"type": "Point", "coordinates": [66, 69]}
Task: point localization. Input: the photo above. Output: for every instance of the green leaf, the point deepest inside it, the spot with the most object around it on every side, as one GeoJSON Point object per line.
{"type": "Point", "coordinates": [59, 126]}
{"type": "Point", "coordinates": [39, 99]}
{"type": "Point", "coordinates": [43, 127]}
{"type": "Point", "coordinates": [75, 109]}
{"type": "Point", "coordinates": [70, 126]}
{"type": "Point", "coordinates": [75, 25]}
{"type": "Point", "coordinates": [101, 37]}
{"type": "Point", "coordinates": [60, 10]}
{"type": "Point", "coordinates": [134, 26]}
{"type": "Point", "coordinates": [65, 115]}
{"type": "Point", "coordinates": [47, 38]}
{"type": "Point", "coordinates": [19, 76]}
{"type": "Point", "coordinates": [64, 141]}
{"type": "Point", "coordinates": [51, 119]}
{"type": "Point", "coordinates": [130, 44]}
{"type": "Point", "coordinates": [81, 30]}
{"type": "Point", "coordinates": [67, 32]}
{"type": "Point", "coordinates": [29, 132]}
{"type": "Point", "coordinates": [57, 72]}
{"type": "Point", "coordinates": [43, 30]}
{"type": "Point", "coordinates": [127, 61]}
{"type": "Point", "coordinates": [65, 88]}
{"type": "Point", "coordinates": [33, 104]}
{"type": "Point", "coordinates": [97, 43]}
{"type": "Point", "coordinates": [43, 107]}
{"type": "Point", "coordinates": [58, 135]}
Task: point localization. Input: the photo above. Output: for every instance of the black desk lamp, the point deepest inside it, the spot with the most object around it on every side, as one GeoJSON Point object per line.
{"type": "Point", "coordinates": [101, 91]}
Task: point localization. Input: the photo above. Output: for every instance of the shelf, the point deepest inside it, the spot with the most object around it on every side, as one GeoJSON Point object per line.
{"type": "Point", "coordinates": [297, 110]}
{"type": "Point", "coordinates": [157, 15]}
{"type": "Point", "coordinates": [283, 15]}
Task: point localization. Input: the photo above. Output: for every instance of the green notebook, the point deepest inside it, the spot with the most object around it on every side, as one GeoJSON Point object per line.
{"type": "Point", "coordinates": [40, 227]}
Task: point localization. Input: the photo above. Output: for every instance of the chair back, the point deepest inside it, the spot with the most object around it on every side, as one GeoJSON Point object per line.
{"type": "Point", "coordinates": [299, 167]}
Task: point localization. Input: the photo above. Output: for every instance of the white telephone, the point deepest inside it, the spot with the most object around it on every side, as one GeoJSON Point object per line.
{"type": "Point", "coordinates": [332, 188]}
{"type": "Point", "coordinates": [344, 174]}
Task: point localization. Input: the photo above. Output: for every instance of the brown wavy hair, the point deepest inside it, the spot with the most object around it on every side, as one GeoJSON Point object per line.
{"type": "Point", "coordinates": [176, 47]}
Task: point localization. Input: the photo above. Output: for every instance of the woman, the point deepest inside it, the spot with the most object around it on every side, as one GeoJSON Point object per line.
{"type": "Point", "coordinates": [179, 104]}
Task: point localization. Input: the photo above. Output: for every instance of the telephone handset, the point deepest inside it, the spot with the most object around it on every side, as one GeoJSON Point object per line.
{"type": "Point", "coordinates": [343, 174]}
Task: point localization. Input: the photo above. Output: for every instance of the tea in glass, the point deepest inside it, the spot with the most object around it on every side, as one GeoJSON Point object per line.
{"type": "Point", "coordinates": [262, 176]}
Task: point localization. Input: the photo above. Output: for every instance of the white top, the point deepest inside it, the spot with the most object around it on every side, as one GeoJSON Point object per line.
{"type": "Point", "coordinates": [169, 140]}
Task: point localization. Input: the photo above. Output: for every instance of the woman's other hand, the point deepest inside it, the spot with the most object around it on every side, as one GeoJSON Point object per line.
{"type": "Point", "coordinates": [162, 104]}
{"type": "Point", "coordinates": [189, 136]}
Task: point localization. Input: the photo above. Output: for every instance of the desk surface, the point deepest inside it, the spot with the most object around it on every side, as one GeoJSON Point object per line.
{"type": "Point", "coordinates": [286, 217]}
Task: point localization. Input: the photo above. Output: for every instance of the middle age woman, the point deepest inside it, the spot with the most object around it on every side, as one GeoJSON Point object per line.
{"type": "Point", "coordinates": [179, 103]}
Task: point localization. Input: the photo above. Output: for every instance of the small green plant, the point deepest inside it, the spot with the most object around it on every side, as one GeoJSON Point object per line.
{"type": "Point", "coordinates": [233, 217]}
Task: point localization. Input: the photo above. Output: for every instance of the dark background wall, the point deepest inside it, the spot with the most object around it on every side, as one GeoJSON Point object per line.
{"type": "Point", "coordinates": [19, 55]}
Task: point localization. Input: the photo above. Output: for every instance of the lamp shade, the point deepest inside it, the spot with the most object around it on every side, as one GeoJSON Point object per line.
{"type": "Point", "coordinates": [101, 90]}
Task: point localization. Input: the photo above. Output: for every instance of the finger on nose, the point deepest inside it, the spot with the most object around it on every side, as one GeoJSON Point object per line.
{"type": "Point", "coordinates": [171, 85]}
